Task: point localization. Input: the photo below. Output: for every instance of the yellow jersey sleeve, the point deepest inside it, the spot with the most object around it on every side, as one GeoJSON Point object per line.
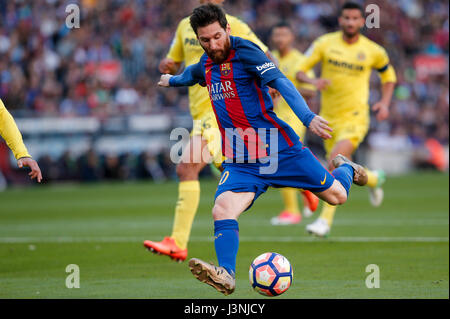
{"type": "Point", "coordinates": [311, 75]}
{"type": "Point", "coordinates": [176, 51]}
{"type": "Point", "coordinates": [388, 75]}
{"type": "Point", "coordinates": [241, 29]}
{"type": "Point", "coordinates": [381, 64]}
{"type": "Point", "coordinates": [313, 55]}
{"type": "Point", "coordinates": [11, 134]}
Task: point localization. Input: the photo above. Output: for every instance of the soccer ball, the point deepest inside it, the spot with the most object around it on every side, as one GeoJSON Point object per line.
{"type": "Point", "coordinates": [270, 274]}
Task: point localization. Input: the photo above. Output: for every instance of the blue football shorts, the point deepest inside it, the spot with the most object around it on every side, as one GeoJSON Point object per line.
{"type": "Point", "coordinates": [295, 167]}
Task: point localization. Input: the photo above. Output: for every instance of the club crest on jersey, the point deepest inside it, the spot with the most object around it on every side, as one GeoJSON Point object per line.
{"type": "Point", "coordinates": [225, 69]}
{"type": "Point", "coordinates": [361, 56]}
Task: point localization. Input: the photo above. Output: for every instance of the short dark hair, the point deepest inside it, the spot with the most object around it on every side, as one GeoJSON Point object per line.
{"type": "Point", "coordinates": [282, 24]}
{"type": "Point", "coordinates": [351, 5]}
{"type": "Point", "coordinates": [207, 14]}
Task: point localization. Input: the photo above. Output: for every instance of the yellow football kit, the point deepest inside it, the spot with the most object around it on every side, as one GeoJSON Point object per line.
{"type": "Point", "coordinates": [186, 48]}
{"type": "Point", "coordinates": [344, 103]}
{"type": "Point", "coordinates": [288, 64]}
{"type": "Point", "coordinates": [11, 134]}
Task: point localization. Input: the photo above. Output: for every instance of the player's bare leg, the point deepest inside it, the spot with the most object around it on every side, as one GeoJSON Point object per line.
{"type": "Point", "coordinates": [227, 209]}
{"type": "Point", "coordinates": [194, 158]}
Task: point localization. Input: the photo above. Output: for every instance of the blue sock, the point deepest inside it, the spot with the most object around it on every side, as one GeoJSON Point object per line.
{"type": "Point", "coordinates": [344, 174]}
{"type": "Point", "coordinates": [226, 242]}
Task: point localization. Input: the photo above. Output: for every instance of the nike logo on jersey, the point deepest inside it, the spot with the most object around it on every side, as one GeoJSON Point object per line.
{"type": "Point", "coordinates": [324, 180]}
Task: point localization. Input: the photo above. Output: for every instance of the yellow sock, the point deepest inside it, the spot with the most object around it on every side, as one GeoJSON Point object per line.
{"type": "Point", "coordinates": [187, 204]}
{"type": "Point", "coordinates": [373, 178]}
{"type": "Point", "coordinates": [290, 199]}
{"type": "Point", "coordinates": [328, 213]}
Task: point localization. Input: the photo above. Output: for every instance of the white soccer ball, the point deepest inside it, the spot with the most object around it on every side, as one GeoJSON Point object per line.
{"type": "Point", "coordinates": [271, 274]}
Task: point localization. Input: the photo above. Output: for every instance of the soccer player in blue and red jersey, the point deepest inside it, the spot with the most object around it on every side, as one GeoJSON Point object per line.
{"type": "Point", "coordinates": [261, 149]}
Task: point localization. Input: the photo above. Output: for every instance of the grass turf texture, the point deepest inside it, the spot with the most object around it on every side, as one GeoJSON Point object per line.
{"type": "Point", "coordinates": [101, 228]}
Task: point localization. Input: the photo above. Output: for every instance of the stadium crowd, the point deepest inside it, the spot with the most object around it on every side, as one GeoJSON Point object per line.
{"type": "Point", "coordinates": [109, 66]}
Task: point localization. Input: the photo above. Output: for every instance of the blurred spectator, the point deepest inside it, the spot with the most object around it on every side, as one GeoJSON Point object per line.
{"type": "Point", "coordinates": [89, 167]}
{"type": "Point", "coordinates": [67, 167]}
{"type": "Point", "coordinates": [151, 167]}
{"type": "Point", "coordinates": [111, 167]}
{"type": "Point", "coordinates": [108, 67]}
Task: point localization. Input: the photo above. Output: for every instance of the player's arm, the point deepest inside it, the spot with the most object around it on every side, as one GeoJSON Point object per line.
{"type": "Point", "coordinates": [295, 100]}
{"type": "Point", "coordinates": [169, 66]}
{"type": "Point", "coordinates": [11, 134]}
{"type": "Point", "coordinates": [307, 93]}
{"type": "Point", "coordinates": [272, 91]}
{"type": "Point", "coordinates": [382, 106]}
{"type": "Point", "coordinates": [241, 29]}
{"type": "Point", "coordinates": [191, 75]}
{"type": "Point", "coordinates": [256, 62]}
{"type": "Point", "coordinates": [319, 83]}
{"type": "Point", "coordinates": [172, 62]}
{"type": "Point", "coordinates": [388, 80]}
{"type": "Point", "coordinates": [313, 56]}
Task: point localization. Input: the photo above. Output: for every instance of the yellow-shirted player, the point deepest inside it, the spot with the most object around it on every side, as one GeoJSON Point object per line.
{"type": "Point", "coordinates": [347, 59]}
{"type": "Point", "coordinates": [205, 133]}
{"type": "Point", "coordinates": [13, 138]}
{"type": "Point", "coordinates": [289, 58]}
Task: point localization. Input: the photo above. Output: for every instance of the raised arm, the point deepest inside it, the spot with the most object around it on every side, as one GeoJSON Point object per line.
{"type": "Point", "coordinates": [295, 100]}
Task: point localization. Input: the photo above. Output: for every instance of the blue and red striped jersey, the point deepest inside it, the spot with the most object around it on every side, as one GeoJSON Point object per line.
{"type": "Point", "coordinates": [241, 102]}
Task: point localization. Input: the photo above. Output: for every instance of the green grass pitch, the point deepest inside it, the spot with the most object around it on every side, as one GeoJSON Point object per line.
{"type": "Point", "coordinates": [101, 228]}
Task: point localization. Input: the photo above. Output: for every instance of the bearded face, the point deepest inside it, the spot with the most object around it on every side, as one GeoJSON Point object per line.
{"type": "Point", "coordinates": [351, 21]}
{"type": "Point", "coordinates": [215, 40]}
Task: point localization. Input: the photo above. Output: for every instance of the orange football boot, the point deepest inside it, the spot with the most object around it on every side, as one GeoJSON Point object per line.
{"type": "Point", "coordinates": [166, 247]}
{"type": "Point", "coordinates": [311, 200]}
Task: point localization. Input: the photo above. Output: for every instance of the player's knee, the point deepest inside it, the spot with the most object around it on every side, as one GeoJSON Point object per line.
{"type": "Point", "coordinates": [338, 197]}
{"type": "Point", "coordinates": [341, 198]}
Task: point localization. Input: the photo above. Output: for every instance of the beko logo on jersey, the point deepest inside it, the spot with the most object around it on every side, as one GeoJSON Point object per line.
{"type": "Point", "coordinates": [220, 90]}
{"type": "Point", "coordinates": [265, 67]}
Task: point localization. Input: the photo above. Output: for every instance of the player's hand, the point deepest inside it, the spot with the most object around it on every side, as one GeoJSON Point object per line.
{"type": "Point", "coordinates": [31, 163]}
{"type": "Point", "coordinates": [321, 84]}
{"type": "Point", "coordinates": [382, 110]}
{"type": "Point", "coordinates": [319, 126]}
{"type": "Point", "coordinates": [167, 66]}
{"type": "Point", "coordinates": [164, 81]}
